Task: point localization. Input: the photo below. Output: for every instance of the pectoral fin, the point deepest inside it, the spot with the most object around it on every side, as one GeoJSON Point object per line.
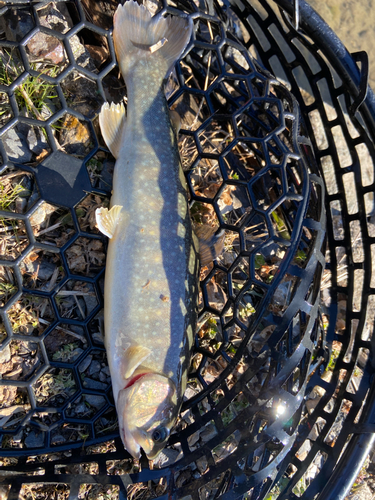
{"type": "Point", "coordinates": [211, 243]}
{"type": "Point", "coordinates": [132, 358]}
{"type": "Point", "coordinates": [107, 220]}
{"type": "Point", "coordinates": [112, 124]}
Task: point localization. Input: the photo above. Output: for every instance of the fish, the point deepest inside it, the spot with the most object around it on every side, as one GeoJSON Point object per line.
{"type": "Point", "coordinates": [152, 270]}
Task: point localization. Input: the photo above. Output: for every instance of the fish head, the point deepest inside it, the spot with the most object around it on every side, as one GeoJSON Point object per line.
{"type": "Point", "coordinates": [147, 411]}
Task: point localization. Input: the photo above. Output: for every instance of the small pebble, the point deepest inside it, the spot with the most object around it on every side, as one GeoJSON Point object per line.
{"type": "Point", "coordinates": [21, 205]}
{"type": "Point", "coordinates": [85, 363]}
{"type": "Point", "coordinates": [94, 384]}
{"type": "Point", "coordinates": [105, 370]}
{"type": "Point", "coordinates": [167, 457]}
{"type": "Point", "coordinates": [58, 439]}
{"type": "Point", "coordinates": [193, 439]}
{"type": "Point", "coordinates": [5, 354]}
{"type": "Point", "coordinates": [75, 354]}
{"type": "Point", "coordinates": [98, 337]}
{"type": "Point", "coordinates": [34, 440]}
{"type": "Point", "coordinates": [80, 408]}
{"type": "Point", "coordinates": [202, 464]}
{"type": "Point", "coordinates": [208, 433]}
{"type": "Point", "coordinates": [94, 369]}
{"type": "Point", "coordinates": [95, 401]}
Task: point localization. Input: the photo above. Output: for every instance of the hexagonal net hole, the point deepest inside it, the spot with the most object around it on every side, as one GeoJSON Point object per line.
{"type": "Point", "coordinates": [18, 190]}
{"type": "Point", "coordinates": [203, 214]}
{"type": "Point", "coordinates": [42, 270]}
{"type": "Point", "coordinates": [65, 343]}
{"type": "Point", "coordinates": [31, 315]}
{"type": "Point", "coordinates": [11, 396]}
{"type": "Point", "coordinates": [52, 225]}
{"type": "Point", "coordinates": [47, 48]}
{"type": "Point", "coordinates": [85, 212]}
{"type": "Point", "coordinates": [237, 61]}
{"type": "Point", "coordinates": [77, 85]}
{"type": "Point", "coordinates": [248, 303]}
{"type": "Point", "coordinates": [57, 15]}
{"type": "Point", "coordinates": [210, 336]}
{"type": "Point", "coordinates": [54, 387]}
{"type": "Point", "coordinates": [216, 135]}
{"type": "Point", "coordinates": [100, 169]}
{"type": "Point", "coordinates": [107, 423]}
{"type": "Point", "coordinates": [192, 110]}
{"type": "Point", "coordinates": [26, 143]}
{"type": "Point", "coordinates": [25, 359]}
{"type": "Point", "coordinates": [36, 96]}
{"type": "Point", "coordinates": [86, 256]}
{"type": "Point", "coordinates": [76, 300]}
{"type": "Point", "coordinates": [208, 31]}
{"type": "Point", "coordinates": [244, 160]}
{"type": "Point", "coordinates": [97, 45]}
{"type": "Point", "coordinates": [74, 136]}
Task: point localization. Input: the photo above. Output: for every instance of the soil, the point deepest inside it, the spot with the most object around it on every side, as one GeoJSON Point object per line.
{"type": "Point", "coordinates": [353, 21]}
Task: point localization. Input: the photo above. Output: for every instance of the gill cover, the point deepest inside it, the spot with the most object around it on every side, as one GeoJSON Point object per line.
{"type": "Point", "coordinates": [147, 411]}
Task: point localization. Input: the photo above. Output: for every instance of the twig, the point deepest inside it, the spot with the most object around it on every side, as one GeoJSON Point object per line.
{"type": "Point", "coordinates": [14, 174]}
{"type": "Point", "coordinates": [30, 103]}
{"type": "Point", "coordinates": [82, 338]}
{"type": "Point", "coordinates": [51, 228]}
{"type": "Point", "coordinates": [79, 307]}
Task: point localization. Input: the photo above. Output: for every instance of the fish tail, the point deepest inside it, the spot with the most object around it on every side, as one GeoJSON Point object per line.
{"type": "Point", "coordinates": [138, 37]}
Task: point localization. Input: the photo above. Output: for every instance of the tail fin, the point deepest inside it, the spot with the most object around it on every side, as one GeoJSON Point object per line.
{"type": "Point", "coordinates": [137, 36]}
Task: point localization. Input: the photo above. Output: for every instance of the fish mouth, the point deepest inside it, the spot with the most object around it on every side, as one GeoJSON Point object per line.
{"type": "Point", "coordinates": [131, 444]}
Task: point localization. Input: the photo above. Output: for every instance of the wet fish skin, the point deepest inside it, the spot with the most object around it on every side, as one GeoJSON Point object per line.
{"type": "Point", "coordinates": [151, 282]}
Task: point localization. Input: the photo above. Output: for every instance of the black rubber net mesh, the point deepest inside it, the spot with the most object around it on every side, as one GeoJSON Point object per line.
{"type": "Point", "coordinates": [278, 398]}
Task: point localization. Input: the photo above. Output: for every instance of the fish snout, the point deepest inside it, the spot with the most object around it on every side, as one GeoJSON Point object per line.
{"type": "Point", "coordinates": [152, 442]}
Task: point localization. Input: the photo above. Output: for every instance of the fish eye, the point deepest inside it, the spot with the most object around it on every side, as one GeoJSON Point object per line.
{"type": "Point", "coordinates": [160, 434]}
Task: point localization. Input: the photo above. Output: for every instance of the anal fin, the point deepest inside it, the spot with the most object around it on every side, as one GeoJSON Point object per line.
{"type": "Point", "coordinates": [132, 358]}
{"type": "Point", "coordinates": [112, 119]}
{"type": "Point", "coordinates": [211, 243]}
{"type": "Point", "coordinates": [107, 220]}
